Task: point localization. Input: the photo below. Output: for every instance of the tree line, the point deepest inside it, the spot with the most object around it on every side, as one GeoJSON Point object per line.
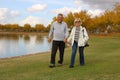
{"type": "Point", "coordinates": [25, 28]}
{"type": "Point", "coordinates": [107, 22]}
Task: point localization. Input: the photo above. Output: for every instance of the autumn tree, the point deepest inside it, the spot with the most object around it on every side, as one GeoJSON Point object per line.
{"type": "Point", "coordinates": [15, 27]}
{"type": "Point", "coordinates": [116, 19]}
{"type": "Point", "coordinates": [48, 28]}
{"type": "Point", "coordinates": [69, 19]}
{"type": "Point", "coordinates": [39, 27]}
{"type": "Point", "coordinates": [1, 26]}
{"type": "Point", "coordinates": [26, 27]}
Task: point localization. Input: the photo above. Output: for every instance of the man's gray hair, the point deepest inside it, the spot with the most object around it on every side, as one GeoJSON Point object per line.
{"type": "Point", "coordinates": [60, 14]}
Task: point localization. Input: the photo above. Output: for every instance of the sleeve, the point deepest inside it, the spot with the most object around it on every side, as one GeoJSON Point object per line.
{"type": "Point", "coordinates": [51, 31]}
{"type": "Point", "coordinates": [86, 37]}
{"type": "Point", "coordinates": [70, 36]}
{"type": "Point", "coordinates": [66, 31]}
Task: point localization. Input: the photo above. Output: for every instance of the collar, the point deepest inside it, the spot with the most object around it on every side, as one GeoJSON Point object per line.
{"type": "Point", "coordinates": [59, 23]}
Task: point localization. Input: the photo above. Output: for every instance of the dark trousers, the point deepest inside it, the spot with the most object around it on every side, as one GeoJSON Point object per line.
{"type": "Point", "coordinates": [57, 45]}
{"type": "Point", "coordinates": [81, 54]}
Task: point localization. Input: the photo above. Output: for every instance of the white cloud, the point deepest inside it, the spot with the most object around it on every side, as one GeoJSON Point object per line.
{"type": "Point", "coordinates": [96, 4]}
{"type": "Point", "coordinates": [14, 13]}
{"type": "Point", "coordinates": [37, 8]}
{"type": "Point", "coordinates": [32, 1]}
{"type": "Point", "coordinates": [3, 12]}
{"type": "Point", "coordinates": [92, 7]}
{"type": "Point", "coordinates": [10, 17]}
{"type": "Point", "coordinates": [94, 13]}
{"type": "Point", "coordinates": [33, 21]}
{"type": "Point", "coordinates": [78, 2]}
{"type": "Point", "coordinates": [7, 16]}
{"type": "Point", "coordinates": [66, 10]}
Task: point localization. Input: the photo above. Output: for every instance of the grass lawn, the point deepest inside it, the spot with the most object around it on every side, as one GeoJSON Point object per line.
{"type": "Point", "coordinates": [102, 60]}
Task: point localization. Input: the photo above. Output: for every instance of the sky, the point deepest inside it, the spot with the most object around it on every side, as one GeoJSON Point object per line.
{"type": "Point", "coordinates": [42, 11]}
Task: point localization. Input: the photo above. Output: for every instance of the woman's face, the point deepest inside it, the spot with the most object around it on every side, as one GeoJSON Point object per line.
{"type": "Point", "coordinates": [77, 23]}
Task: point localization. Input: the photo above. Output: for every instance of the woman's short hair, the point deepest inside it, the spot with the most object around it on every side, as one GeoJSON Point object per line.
{"type": "Point", "coordinates": [77, 20]}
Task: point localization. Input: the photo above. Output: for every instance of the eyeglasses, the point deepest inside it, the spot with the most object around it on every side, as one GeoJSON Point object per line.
{"type": "Point", "coordinates": [77, 21]}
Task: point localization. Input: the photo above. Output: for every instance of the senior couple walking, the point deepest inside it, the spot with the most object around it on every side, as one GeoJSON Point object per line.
{"type": "Point", "coordinates": [59, 36]}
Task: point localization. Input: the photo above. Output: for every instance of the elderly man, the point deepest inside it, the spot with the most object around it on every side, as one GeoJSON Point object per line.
{"type": "Point", "coordinates": [59, 32]}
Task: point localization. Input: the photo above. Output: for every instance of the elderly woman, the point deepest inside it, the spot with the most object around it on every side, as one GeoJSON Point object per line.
{"type": "Point", "coordinates": [78, 38]}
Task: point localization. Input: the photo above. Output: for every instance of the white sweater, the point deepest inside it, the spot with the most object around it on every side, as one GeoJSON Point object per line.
{"type": "Point", "coordinates": [83, 36]}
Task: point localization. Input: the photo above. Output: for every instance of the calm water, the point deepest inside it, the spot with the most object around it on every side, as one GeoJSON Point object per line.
{"type": "Point", "coordinates": [12, 45]}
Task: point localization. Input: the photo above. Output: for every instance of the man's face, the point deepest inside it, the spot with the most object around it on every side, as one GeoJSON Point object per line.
{"type": "Point", "coordinates": [60, 18]}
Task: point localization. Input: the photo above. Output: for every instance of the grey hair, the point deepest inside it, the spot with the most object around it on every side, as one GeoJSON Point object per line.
{"type": "Point", "coordinates": [60, 14]}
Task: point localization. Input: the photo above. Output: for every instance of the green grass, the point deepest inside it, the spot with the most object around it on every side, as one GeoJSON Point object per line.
{"type": "Point", "coordinates": [102, 60]}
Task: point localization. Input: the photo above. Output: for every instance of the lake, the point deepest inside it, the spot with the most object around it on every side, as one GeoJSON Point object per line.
{"type": "Point", "coordinates": [12, 45]}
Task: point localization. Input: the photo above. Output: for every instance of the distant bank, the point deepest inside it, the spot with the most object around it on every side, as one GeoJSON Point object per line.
{"type": "Point", "coordinates": [43, 33]}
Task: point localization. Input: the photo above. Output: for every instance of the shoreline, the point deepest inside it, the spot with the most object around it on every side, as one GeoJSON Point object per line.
{"type": "Point", "coordinates": [31, 54]}
{"type": "Point", "coordinates": [32, 33]}
{"type": "Point", "coordinates": [108, 34]}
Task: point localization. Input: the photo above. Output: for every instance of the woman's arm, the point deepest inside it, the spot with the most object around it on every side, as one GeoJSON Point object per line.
{"type": "Point", "coordinates": [70, 36]}
{"type": "Point", "coordinates": [86, 37]}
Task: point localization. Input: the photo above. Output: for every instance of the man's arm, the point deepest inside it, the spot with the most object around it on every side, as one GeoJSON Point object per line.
{"type": "Point", "coordinates": [66, 33]}
{"type": "Point", "coordinates": [50, 33]}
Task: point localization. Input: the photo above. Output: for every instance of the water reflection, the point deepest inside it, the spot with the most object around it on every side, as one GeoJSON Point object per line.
{"type": "Point", "coordinates": [26, 38]}
{"type": "Point", "coordinates": [15, 45]}
{"type": "Point", "coordinates": [39, 39]}
{"type": "Point", "coordinates": [9, 37]}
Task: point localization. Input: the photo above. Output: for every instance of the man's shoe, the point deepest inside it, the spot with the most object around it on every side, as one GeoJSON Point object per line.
{"type": "Point", "coordinates": [60, 64]}
{"type": "Point", "coordinates": [71, 66]}
{"type": "Point", "coordinates": [51, 66]}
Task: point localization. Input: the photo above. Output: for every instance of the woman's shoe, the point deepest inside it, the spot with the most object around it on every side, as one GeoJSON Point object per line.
{"type": "Point", "coordinates": [71, 66]}
{"type": "Point", "coordinates": [82, 64]}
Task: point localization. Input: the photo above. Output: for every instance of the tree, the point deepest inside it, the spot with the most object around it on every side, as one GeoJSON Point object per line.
{"type": "Point", "coordinates": [54, 19]}
{"type": "Point", "coordinates": [27, 27]}
{"type": "Point", "coordinates": [15, 27]}
{"type": "Point", "coordinates": [39, 27]}
{"type": "Point", "coordinates": [69, 19]}
{"type": "Point", "coordinates": [47, 29]}
{"type": "Point", "coordinates": [1, 26]}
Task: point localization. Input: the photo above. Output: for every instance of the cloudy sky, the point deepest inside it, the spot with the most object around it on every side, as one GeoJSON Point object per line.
{"type": "Point", "coordinates": [42, 11]}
